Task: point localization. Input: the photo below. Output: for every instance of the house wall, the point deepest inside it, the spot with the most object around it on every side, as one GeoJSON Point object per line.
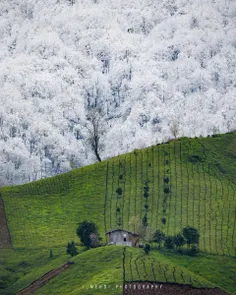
{"type": "Point", "coordinates": [117, 238]}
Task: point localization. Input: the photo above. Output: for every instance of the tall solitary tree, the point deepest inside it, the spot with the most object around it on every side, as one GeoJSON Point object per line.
{"type": "Point", "coordinates": [86, 231]}
{"type": "Point", "coordinates": [96, 129]}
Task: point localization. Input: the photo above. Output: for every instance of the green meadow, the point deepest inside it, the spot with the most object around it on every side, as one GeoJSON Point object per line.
{"type": "Point", "coordinates": [190, 182]}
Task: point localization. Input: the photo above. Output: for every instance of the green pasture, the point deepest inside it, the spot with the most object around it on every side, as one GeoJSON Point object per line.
{"type": "Point", "coordinates": [190, 182]}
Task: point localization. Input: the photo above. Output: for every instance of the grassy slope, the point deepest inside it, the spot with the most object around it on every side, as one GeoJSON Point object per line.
{"type": "Point", "coordinates": [18, 268]}
{"type": "Point", "coordinates": [104, 267]}
{"type": "Point", "coordinates": [45, 214]}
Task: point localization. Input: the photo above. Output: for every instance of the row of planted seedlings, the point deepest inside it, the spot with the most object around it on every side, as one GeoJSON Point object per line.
{"type": "Point", "coordinates": [176, 178]}
{"type": "Point", "coordinates": [158, 184]}
{"type": "Point", "coordinates": [207, 192]}
{"type": "Point", "coordinates": [145, 268]}
{"type": "Point", "coordinates": [207, 203]}
{"type": "Point", "coordinates": [208, 200]}
{"type": "Point", "coordinates": [166, 189]}
{"type": "Point", "coordinates": [118, 195]}
{"type": "Point", "coordinates": [171, 187]}
{"type": "Point", "coordinates": [131, 184]}
{"type": "Point", "coordinates": [122, 201]}
{"type": "Point", "coordinates": [224, 215]}
{"type": "Point", "coordinates": [196, 190]}
{"type": "Point", "coordinates": [223, 222]}
{"type": "Point", "coordinates": [109, 194]}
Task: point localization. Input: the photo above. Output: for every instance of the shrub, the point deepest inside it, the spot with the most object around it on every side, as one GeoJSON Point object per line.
{"type": "Point", "coordinates": [146, 195]}
{"type": "Point", "coordinates": [158, 237]}
{"type": "Point", "coordinates": [118, 209]}
{"type": "Point", "coordinates": [71, 249]}
{"type": "Point", "coordinates": [144, 220]}
{"type": "Point", "coordinates": [194, 158]}
{"type": "Point", "coordinates": [169, 242]}
{"type": "Point", "coordinates": [191, 235]}
{"type": "Point", "coordinates": [166, 190]}
{"type": "Point", "coordinates": [147, 248]}
{"type": "Point", "coordinates": [51, 254]}
{"type": "Point", "coordinates": [119, 191]}
{"type": "Point", "coordinates": [163, 220]}
{"type": "Point", "coordinates": [146, 206]}
{"type": "Point", "coordinates": [166, 179]}
{"type": "Point", "coordinates": [179, 240]}
{"type": "Point", "coordinates": [194, 250]}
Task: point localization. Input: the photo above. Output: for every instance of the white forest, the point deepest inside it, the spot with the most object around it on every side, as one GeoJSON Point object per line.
{"type": "Point", "coordinates": [129, 74]}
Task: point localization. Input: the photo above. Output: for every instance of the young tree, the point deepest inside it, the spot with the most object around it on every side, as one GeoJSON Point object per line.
{"type": "Point", "coordinates": [71, 249]}
{"type": "Point", "coordinates": [158, 237]}
{"type": "Point", "coordinates": [191, 235]}
{"type": "Point", "coordinates": [96, 129]}
{"type": "Point", "coordinates": [85, 230]}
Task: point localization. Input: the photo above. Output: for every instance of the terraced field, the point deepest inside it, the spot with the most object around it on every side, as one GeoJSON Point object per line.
{"type": "Point", "coordinates": [183, 182]}
{"type": "Point", "coordinates": [185, 187]}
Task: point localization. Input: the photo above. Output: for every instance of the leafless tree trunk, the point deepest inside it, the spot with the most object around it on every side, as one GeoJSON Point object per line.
{"type": "Point", "coordinates": [174, 129]}
{"type": "Point", "coordinates": [96, 129]}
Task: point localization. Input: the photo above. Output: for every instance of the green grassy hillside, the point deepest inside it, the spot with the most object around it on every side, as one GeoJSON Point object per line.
{"type": "Point", "coordinates": [189, 182]}
{"type": "Point", "coordinates": [101, 271]}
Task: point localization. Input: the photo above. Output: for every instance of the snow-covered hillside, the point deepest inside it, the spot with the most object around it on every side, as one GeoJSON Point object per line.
{"type": "Point", "coordinates": [155, 68]}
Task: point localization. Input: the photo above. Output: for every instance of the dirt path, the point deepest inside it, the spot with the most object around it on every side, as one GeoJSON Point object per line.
{"type": "Point", "coordinates": [33, 287]}
{"type": "Point", "coordinates": [5, 238]}
{"type": "Point", "coordinates": [144, 288]}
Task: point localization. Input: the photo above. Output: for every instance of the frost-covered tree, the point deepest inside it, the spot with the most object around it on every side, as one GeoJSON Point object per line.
{"type": "Point", "coordinates": [144, 64]}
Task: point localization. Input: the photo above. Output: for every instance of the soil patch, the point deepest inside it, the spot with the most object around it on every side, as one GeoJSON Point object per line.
{"type": "Point", "coordinates": [33, 287]}
{"type": "Point", "coordinates": [5, 238]}
{"type": "Point", "coordinates": [146, 288]}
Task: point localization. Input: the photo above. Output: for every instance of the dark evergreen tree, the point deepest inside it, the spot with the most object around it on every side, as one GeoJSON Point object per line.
{"type": "Point", "coordinates": [147, 248]}
{"type": "Point", "coordinates": [158, 237]}
{"type": "Point", "coordinates": [71, 249]}
{"type": "Point", "coordinates": [84, 230]}
{"type": "Point", "coordinates": [169, 242]}
{"type": "Point", "coordinates": [179, 241]}
{"type": "Point", "coordinates": [191, 235]}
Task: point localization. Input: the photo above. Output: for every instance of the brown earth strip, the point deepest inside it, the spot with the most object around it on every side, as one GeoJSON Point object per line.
{"type": "Point", "coordinates": [33, 287]}
{"type": "Point", "coordinates": [145, 288]}
{"type": "Point", "coordinates": [5, 238]}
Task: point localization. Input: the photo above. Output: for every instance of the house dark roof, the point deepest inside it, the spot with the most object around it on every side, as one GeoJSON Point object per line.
{"type": "Point", "coordinates": [119, 229]}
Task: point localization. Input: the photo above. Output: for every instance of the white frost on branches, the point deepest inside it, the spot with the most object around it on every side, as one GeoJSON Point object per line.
{"type": "Point", "coordinates": [157, 69]}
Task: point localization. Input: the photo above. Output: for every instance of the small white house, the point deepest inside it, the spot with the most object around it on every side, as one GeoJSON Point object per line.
{"type": "Point", "coordinates": [122, 237]}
